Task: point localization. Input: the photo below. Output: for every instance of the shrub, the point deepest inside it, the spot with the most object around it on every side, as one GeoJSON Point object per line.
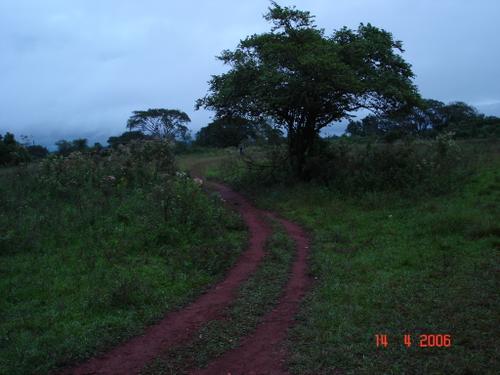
{"type": "Point", "coordinates": [409, 166]}
{"type": "Point", "coordinates": [403, 166]}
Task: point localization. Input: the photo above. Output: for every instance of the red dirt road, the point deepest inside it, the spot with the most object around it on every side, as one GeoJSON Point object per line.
{"type": "Point", "coordinates": [263, 351]}
{"type": "Point", "coordinates": [178, 326]}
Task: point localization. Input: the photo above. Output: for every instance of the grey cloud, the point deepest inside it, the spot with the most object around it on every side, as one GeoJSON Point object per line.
{"type": "Point", "coordinates": [78, 68]}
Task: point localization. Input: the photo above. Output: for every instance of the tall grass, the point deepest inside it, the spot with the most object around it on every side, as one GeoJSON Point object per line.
{"type": "Point", "coordinates": [411, 168]}
{"type": "Point", "coordinates": [95, 246]}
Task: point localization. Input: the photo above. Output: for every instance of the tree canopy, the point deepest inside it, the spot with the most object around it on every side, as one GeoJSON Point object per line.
{"type": "Point", "coordinates": [227, 132]}
{"type": "Point", "coordinates": [303, 79]}
{"type": "Point", "coordinates": [11, 151]}
{"type": "Point", "coordinates": [427, 120]}
{"type": "Point", "coordinates": [65, 147]}
{"type": "Point", "coordinates": [160, 123]}
{"type": "Point", "coordinates": [126, 138]}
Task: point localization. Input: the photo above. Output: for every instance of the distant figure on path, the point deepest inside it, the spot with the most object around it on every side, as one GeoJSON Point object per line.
{"type": "Point", "coordinates": [241, 149]}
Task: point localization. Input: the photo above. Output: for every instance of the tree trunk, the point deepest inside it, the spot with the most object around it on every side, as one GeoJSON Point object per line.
{"type": "Point", "coordinates": [300, 147]}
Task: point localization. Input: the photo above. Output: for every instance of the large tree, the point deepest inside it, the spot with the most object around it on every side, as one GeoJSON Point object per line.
{"type": "Point", "coordinates": [160, 123]}
{"type": "Point", "coordinates": [304, 80]}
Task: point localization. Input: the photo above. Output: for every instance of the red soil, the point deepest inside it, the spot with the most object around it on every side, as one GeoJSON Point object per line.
{"type": "Point", "coordinates": [178, 326]}
{"type": "Point", "coordinates": [263, 351]}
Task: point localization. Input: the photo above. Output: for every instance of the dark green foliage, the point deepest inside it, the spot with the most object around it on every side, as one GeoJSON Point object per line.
{"type": "Point", "coordinates": [80, 144]}
{"type": "Point", "coordinates": [126, 138]}
{"type": "Point", "coordinates": [433, 166]}
{"type": "Point", "coordinates": [94, 246]}
{"type": "Point", "coordinates": [37, 151]}
{"type": "Point", "coordinates": [65, 148]}
{"type": "Point", "coordinates": [303, 79]}
{"type": "Point", "coordinates": [432, 117]}
{"type": "Point", "coordinates": [12, 152]}
{"type": "Point", "coordinates": [97, 147]}
{"type": "Point", "coordinates": [232, 132]}
{"type": "Point", "coordinates": [420, 167]}
{"type": "Point", "coordinates": [169, 124]}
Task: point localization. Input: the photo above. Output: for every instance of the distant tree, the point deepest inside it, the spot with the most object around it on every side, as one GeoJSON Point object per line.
{"type": "Point", "coordinates": [9, 139]}
{"type": "Point", "coordinates": [225, 132]}
{"type": "Point", "coordinates": [233, 131]}
{"type": "Point", "coordinates": [97, 147]}
{"type": "Point", "coordinates": [459, 112]}
{"type": "Point", "coordinates": [126, 137]}
{"type": "Point", "coordinates": [80, 144]}
{"type": "Point", "coordinates": [304, 80]}
{"type": "Point", "coordinates": [160, 123]}
{"type": "Point", "coordinates": [427, 120]}
{"type": "Point", "coordinates": [65, 147]}
{"type": "Point", "coordinates": [12, 152]}
{"type": "Point", "coordinates": [37, 151]}
{"type": "Point", "coordinates": [370, 126]}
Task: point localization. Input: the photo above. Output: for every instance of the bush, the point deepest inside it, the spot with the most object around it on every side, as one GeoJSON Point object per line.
{"type": "Point", "coordinates": [424, 166]}
{"type": "Point", "coordinates": [404, 166]}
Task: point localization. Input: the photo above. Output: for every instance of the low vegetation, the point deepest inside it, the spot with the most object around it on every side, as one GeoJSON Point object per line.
{"type": "Point", "coordinates": [95, 246]}
{"type": "Point", "coordinates": [356, 167]}
{"type": "Point", "coordinates": [414, 258]}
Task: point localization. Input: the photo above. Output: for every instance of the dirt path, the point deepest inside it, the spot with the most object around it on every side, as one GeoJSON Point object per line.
{"type": "Point", "coordinates": [178, 326]}
{"type": "Point", "coordinates": [262, 352]}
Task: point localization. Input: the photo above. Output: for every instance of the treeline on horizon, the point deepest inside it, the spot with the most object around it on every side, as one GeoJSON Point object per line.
{"type": "Point", "coordinates": [427, 121]}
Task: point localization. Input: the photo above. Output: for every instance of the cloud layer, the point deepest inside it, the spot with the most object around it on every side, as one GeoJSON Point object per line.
{"type": "Point", "coordinates": [78, 68]}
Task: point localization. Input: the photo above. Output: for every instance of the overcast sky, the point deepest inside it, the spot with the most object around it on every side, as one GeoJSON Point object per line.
{"type": "Point", "coordinates": [77, 68]}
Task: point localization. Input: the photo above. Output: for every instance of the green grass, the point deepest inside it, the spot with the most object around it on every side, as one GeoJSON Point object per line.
{"type": "Point", "coordinates": [82, 269]}
{"type": "Point", "coordinates": [387, 265]}
{"type": "Point", "coordinates": [397, 264]}
{"type": "Point", "coordinates": [258, 295]}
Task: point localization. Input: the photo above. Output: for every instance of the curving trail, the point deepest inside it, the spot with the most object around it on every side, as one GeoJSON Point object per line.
{"type": "Point", "coordinates": [261, 352]}
{"type": "Point", "coordinates": [179, 326]}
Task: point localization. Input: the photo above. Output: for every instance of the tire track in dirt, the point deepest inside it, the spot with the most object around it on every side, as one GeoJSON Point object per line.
{"type": "Point", "coordinates": [178, 326]}
{"type": "Point", "coordinates": [264, 352]}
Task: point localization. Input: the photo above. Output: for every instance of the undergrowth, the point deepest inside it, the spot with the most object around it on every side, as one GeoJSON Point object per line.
{"type": "Point", "coordinates": [93, 247]}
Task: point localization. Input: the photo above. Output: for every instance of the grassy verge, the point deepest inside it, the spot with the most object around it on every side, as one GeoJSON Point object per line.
{"type": "Point", "coordinates": [256, 296]}
{"type": "Point", "coordinates": [395, 265]}
{"type": "Point", "coordinates": [85, 265]}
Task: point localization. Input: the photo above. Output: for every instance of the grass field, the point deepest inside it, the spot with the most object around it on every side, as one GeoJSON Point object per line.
{"type": "Point", "coordinates": [92, 252]}
{"type": "Point", "coordinates": [395, 265]}
{"type": "Point", "coordinates": [86, 263]}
